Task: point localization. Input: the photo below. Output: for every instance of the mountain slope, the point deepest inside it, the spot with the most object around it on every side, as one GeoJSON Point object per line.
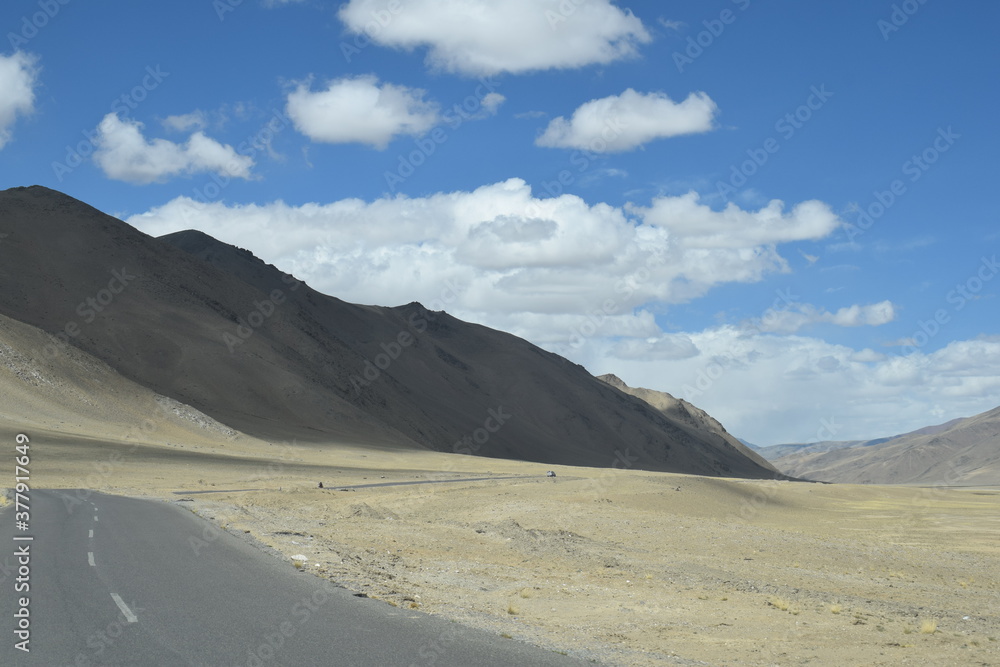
{"type": "Point", "coordinates": [960, 452]}
{"type": "Point", "coordinates": [681, 411]}
{"type": "Point", "coordinates": [74, 392]}
{"type": "Point", "coordinates": [216, 328]}
{"type": "Point", "coordinates": [776, 452]}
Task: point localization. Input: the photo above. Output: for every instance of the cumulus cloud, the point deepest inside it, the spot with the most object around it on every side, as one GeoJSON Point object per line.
{"type": "Point", "coordinates": [665, 346]}
{"type": "Point", "coordinates": [18, 78]}
{"type": "Point", "coordinates": [196, 120]}
{"type": "Point", "coordinates": [696, 225]}
{"type": "Point", "coordinates": [625, 122]}
{"type": "Point", "coordinates": [513, 251]}
{"type": "Point", "coordinates": [360, 110]}
{"type": "Point", "coordinates": [799, 315]}
{"type": "Point", "coordinates": [482, 37]}
{"type": "Point", "coordinates": [491, 103]}
{"type": "Point", "coordinates": [124, 154]}
{"type": "Point", "coordinates": [755, 383]}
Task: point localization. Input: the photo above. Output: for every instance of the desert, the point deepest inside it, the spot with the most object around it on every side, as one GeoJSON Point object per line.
{"type": "Point", "coordinates": [614, 566]}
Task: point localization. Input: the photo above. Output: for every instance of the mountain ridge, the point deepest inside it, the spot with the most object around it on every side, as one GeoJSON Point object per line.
{"type": "Point", "coordinates": [962, 451]}
{"type": "Point", "coordinates": [214, 327]}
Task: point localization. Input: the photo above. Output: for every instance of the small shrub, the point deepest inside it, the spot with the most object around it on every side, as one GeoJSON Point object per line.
{"type": "Point", "coordinates": [512, 610]}
{"type": "Point", "coordinates": [928, 627]}
{"type": "Point", "coordinates": [835, 609]}
{"type": "Point", "coordinates": [779, 603]}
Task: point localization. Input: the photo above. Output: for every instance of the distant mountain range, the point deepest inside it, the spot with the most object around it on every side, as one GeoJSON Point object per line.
{"type": "Point", "coordinates": [958, 452]}
{"type": "Point", "coordinates": [237, 344]}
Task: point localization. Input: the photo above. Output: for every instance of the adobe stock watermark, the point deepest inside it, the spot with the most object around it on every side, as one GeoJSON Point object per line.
{"type": "Point", "coordinates": [765, 492]}
{"type": "Point", "coordinates": [698, 44]}
{"type": "Point", "coordinates": [915, 168]}
{"type": "Point", "coordinates": [959, 298]}
{"type": "Point", "coordinates": [717, 367]}
{"type": "Point", "coordinates": [88, 310]}
{"type": "Point", "coordinates": [122, 105]}
{"type": "Point", "coordinates": [624, 289]}
{"type": "Point", "coordinates": [623, 461]}
{"type": "Point", "coordinates": [379, 20]}
{"type": "Point", "coordinates": [255, 144]}
{"type": "Point", "coordinates": [102, 640]}
{"type": "Point", "coordinates": [471, 443]}
{"type": "Point", "coordinates": [582, 160]}
{"type": "Point", "coordinates": [471, 108]}
{"type": "Point", "coordinates": [32, 24]}
{"type": "Point", "coordinates": [262, 311]}
{"type": "Point", "coordinates": [223, 7]}
{"type": "Point", "coordinates": [299, 615]}
{"type": "Point", "coordinates": [563, 11]}
{"type": "Point", "coordinates": [786, 127]}
{"type": "Point", "coordinates": [393, 349]}
{"type": "Point", "coordinates": [900, 16]}
{"type": "Point", "coordinates": [84, 487]}
{"type": "Point", "coordinates": [431, 650]}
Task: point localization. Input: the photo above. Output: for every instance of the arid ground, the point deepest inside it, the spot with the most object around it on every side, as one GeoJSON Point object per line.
{"type": "Point", "coordinates": [615, 566]}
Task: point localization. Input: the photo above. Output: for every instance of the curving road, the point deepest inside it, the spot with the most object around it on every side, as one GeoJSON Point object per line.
{"type": "Point", "coordinates": [122, 581]}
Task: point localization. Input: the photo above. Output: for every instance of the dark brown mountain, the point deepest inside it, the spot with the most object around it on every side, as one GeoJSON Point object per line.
{"type": "Point", "coordinates": [215, 328]}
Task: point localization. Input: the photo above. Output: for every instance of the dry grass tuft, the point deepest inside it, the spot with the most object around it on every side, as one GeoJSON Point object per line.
{"type": "Point", "coordinates": [928, 627]}
{"type": "Point", "coordinates": [835, 609]}
{"type": "Point", "coordinates": [779, 603]}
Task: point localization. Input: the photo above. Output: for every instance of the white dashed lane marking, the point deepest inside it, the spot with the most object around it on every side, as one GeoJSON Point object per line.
{"type": "Point", "coordinates": [90, 558]}
{"type": "Point", "coordinates": [129, 616]}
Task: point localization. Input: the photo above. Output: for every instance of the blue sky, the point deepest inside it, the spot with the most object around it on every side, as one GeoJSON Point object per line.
{"type": "Point", "coordinates": [606, 187]}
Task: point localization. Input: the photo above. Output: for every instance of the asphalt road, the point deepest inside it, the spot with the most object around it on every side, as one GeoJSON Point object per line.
{"type": "Point", "coordinates": [122, 581]}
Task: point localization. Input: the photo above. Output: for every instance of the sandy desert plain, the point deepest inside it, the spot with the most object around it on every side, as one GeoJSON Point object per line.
{"type": "Point", "coordinates": [614, 566]}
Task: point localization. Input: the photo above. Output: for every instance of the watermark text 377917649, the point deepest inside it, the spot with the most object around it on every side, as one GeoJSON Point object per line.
{"type": "Point", "coordinates": [22, 543]}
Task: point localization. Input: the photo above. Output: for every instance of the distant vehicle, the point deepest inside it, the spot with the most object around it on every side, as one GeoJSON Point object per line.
{"type": "Point", "coordinates": [551, 473]}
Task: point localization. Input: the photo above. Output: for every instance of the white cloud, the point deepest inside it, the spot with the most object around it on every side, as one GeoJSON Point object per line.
{"type": "Point", "coordinates": [799, 315]}
{"type": "Point", "coordinates": [359, 110]}
{"type": "Point", "coordinates": [625, 122]}
{"type": "Point", "coordinates": [196, 120]}
{"type": "Point", "coordinates": [772, 389]}
{"type": "Point", "coordinates": [124, 154]}
{"type": "Point", "coordinates": [491, 103]}
{"type": "Point", "coordinates": [482, 37]}
{"type": "Point", "coordinates": [696, 225]}
{"type": "Point", "coordinates": [514, 252]}
{"type": "Point", "coordinates": [874, 315]}
{"type": "Point", "coordinates": [664, 346]}
{"type": "Point", "coordinates": [18, 78]}
{"type": "Point", "coordinates": [588, 280]}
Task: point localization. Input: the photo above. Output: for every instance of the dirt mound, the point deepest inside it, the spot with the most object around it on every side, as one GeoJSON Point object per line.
{"type": "Point", "coordinates": [366, 511]}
